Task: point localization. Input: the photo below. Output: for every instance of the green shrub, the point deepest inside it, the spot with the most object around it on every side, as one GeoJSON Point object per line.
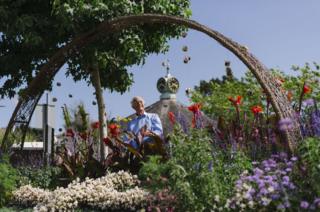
{"type": "Point", "coordinates": [8, 178]}
{"type": "Point", "coordinates": [309, 152]}
{"type": "Point", "coordinates": [45, 178]}
{"type": "Point", "coordinates": [200, 176]}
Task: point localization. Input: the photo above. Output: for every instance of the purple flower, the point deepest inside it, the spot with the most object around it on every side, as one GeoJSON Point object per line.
{"type": "Point", "coordinates": [210, 166]}
{"type": "Point", "coordinates": [280, 207]}
{"type": "Point", "coordinates": [263, 191]}
{"type": "Point", "coordinates": [258, 172]}
{"type": "Point", "coordinates": [255, 163]}
{"type": "Point", "coordinates": [287, 204]}
{"type": "Point", "coordinates": [304, 204]}
{"type": "Point", "coordinates": [267, 169]}
{"type": "Point", "coordinates": [285, 124]}
{"type": "Point", "coordinates": [283, 172]}
{"type": "Point", "coordinates": [308, 103]}
{"type": "Point", "coordinates": [288, 169]}
{"type": "Point", "coordinates": [294, 159]}
{"type": "Point", "coordinates": [286, 178]}
{"type": "Point", "coordinates": [289, 163]}
{"type": "Point", "coordinates": [248, 196]}
{"type": "Point", "coordinates": [283, 155]}
{"type": "Point", "coordinates": [268, 178]}
{"type": "Point", "coordinates": [275, 196]}
{"type": "Point", "coordinates": [292, 186]}
{"type": "Point", "coordinates": [316, 200]}
{"type": "Point", "coordinates": [315, 122]}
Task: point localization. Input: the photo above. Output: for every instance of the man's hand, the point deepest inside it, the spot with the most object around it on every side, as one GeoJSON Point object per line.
{"type": "Point", "coordinates": [147, 133]}
{"type": "Point", "coordinates": [144, 132]}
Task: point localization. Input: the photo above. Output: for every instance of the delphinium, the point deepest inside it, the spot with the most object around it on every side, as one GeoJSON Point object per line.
{"type": "Point", "coordinates": [309, 118]}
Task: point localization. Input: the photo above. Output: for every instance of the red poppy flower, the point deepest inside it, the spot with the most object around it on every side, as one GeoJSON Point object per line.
{"type": "Point", "coordinates": [70, 133]}
{"type": "Point", "coordinates": [236, 101]}
{"type": "Point", "coordinates": [195, 107]}
{"type": "Point", "coordinates": [106, 140]}
{"type": "Point", "coordinates": [114, 130]}
{"type": "Point", "coordinates": [306, 89]}
{"type": "Point", "coordinates": [95, 125]}
{"type": "Point", "coordinates": [256, 109]}
{"type": "Point", "coordinates": [172, 117]}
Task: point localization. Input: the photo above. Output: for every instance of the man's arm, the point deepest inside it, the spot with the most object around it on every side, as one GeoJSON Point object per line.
{"type": "Point", "coordinates": [156, 126]}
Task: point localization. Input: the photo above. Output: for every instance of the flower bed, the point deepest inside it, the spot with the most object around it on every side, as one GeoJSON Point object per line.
{"type": "Point", "coordinates": [115, 191]}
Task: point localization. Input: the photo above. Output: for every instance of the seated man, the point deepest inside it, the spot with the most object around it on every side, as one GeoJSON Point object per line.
{"type": "Point", "coordinates": [145, 124]}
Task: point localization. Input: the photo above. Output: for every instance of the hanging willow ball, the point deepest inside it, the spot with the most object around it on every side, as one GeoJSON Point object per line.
{"type": "Point", "coordinates": [70, 95]}
{"type": "Point", "coordinates": [54, 99]}
{"type": "Point", "coordinates": [59, 84]}
{"type": "Point", "coordinates": [184, 34]}
{"type": "Point", "coordinates": [60, 129]}
{"type": "Point", "coordinates": [186, 59]}
{"type": "Point", "coordinates": [188, 91]}
{"type": "Point", "coordinates": [249, 92]}
{"type": "Point", "coordinates": [94, 103]}
{"type": "Point", "coordinates": [185, 48]}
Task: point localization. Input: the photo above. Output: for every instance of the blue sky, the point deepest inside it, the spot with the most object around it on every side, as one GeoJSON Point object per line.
{"type": "Point", "coordinates": [280, 33]}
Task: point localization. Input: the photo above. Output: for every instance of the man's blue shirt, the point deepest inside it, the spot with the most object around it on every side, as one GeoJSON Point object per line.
{"type": "Point", "coordinates": [150, 120]}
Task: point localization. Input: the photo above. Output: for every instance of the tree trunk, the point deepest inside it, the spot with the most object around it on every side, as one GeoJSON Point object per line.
{"type": "Point", "coordinates": [101, 110]}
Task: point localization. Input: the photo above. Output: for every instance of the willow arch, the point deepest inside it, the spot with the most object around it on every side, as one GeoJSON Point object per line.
{"type": "Point", "coordinates": [28, 101]}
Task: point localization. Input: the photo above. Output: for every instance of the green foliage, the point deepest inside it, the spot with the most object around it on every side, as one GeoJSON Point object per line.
{"type": "Point", "coordinates": [81, 117]}
{"type": "Point", "coordinates": [200, 176]}
{"type": "Point", "coordinates": [214, 93]}
{"type": "Point", "coordinates": [45, 178]}
{"type": "Point", "coordinates": [308, 74]}
{"type": "Point", "coordinates": [8, 178]}
{"type": "Point", "coordinates": [15, 138]}
{"type": "Point", "coordinates": [75, 153]}
{"type": "Point", "coordinates": [2, 131]}
{"type": "Point", "coordinates": [309, 152]}
{"type": "Point", "coordinates": [15, 209]}
{"type": "Point", "coordinates": [31, 31]}
{"type": "Point", "coordinates": [66, 117]}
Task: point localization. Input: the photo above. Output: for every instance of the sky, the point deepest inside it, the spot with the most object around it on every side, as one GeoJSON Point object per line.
{"type": "Point", "coordinates": [280, 33]}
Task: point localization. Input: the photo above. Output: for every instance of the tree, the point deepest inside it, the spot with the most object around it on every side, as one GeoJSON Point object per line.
{"type": "Point", "coordinates": [31, 31]}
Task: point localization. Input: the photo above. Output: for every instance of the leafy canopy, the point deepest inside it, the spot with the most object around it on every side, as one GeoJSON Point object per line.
{"type": "Point", "coordinates": [31, 31]}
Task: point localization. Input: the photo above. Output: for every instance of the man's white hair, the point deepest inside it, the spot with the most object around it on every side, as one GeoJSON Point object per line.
{"type": "Point", "coordinates": [137, 99]}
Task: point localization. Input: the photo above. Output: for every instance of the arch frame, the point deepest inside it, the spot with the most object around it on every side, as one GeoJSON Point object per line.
{"type": "Point", "coordinates": [39, 84]}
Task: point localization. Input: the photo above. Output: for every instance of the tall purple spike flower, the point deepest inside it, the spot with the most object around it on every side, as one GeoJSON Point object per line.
{"type": "Point", "coordinates": [315, 122]}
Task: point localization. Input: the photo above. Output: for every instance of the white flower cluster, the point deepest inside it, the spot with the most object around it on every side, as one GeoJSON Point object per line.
{"type": "Point", "coordinates": [29, 196]}
{"type": "Point", "coordinates": [102, 193]}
